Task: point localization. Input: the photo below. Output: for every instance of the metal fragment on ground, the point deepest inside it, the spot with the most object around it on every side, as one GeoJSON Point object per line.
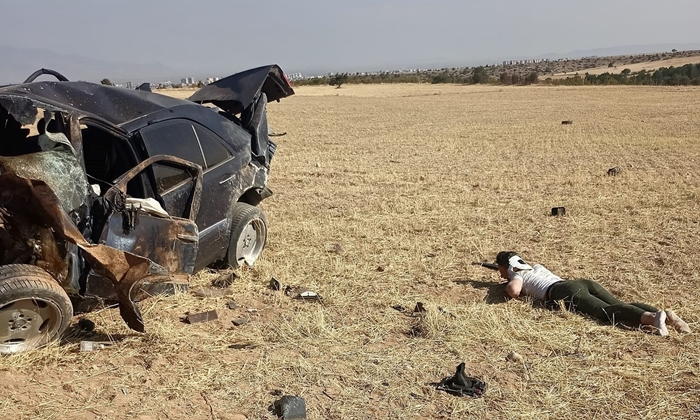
{"type": "Point", "coordinates": [308, 295]}
{"type": "Point", "coordinates": [201, 317]}
{"type": "Point", "coordinates": [275, 284]}
{"type": "Point", "coordinates": [290, 408]}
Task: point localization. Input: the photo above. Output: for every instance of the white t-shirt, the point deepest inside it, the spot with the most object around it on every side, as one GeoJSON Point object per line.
{"type": "Point", "coordinates": [535, 281]}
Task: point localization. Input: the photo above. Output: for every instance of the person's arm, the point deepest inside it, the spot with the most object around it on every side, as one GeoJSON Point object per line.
{"type": "Point", "coordinates": [514, 287]}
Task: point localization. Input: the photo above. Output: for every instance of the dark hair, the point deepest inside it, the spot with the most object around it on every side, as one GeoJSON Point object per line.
{"type": "Point", "coordinates": [503, 257]}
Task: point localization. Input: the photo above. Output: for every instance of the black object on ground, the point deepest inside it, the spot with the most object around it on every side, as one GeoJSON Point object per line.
{"type": "Point", "coordinates": [201, 317]}
{"type": "Point", "coordinates": [398, 308]}
{"type": "Point", "coordinates": [275, 284]}
{"type": "Point", "coordinates": [567, 122]}
{"type": "Point", "coordinates": [86, 325]}
{"type": "Point", "coordinates": [290, 408]}
{"type": "Point", "coordinates": [558, 211]}
{"type": "Point", "coordinates": [462, 385]}
{"type": "Point", "coordinates": [419, 309]}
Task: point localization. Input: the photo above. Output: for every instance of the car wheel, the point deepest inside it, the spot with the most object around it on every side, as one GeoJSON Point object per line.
{"type": "Point", "coordinates": [248, 235]}
{"type": "Point", "coordinates": [34, 308]}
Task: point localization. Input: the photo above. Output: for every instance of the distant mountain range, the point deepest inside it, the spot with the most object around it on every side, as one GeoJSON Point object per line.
{"type": "Point", "coordinates": [16, 64]}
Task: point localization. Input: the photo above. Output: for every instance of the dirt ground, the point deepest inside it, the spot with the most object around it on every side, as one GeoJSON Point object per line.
{"type": "Point", "coordinates": [384, 195]}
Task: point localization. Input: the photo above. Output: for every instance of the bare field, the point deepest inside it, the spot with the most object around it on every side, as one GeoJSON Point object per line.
{"type": "Point", "coordinates": [383, 196]}
{"type": "Point", "coordinates": [649, 66]}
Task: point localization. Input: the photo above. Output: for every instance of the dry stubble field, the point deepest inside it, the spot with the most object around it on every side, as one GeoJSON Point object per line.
{"type": "Point", "coordinates": [383, 196]}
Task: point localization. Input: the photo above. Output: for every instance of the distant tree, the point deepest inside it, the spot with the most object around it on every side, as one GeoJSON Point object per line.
{"type": "Point", "coordinates": [479, 75]}
{"type": "Point", "coordinates": [626, 72]}
{"type": "Point", "coordinates": [612, 64]}
{"type": "Point", "coordinates": [106, 82]}
{"type": "Point", "coordinates": [533, 77]}
{"type": "Point", "coordinates": [504, 78]}
{"type": "Point", "coordinates": [338, 79]}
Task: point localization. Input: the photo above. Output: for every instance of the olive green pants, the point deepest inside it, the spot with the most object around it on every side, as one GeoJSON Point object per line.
{"type": "Point", "coordinates": [590, 298]}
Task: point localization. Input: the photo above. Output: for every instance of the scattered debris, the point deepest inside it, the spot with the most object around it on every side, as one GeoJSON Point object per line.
{"type": "Point", "coordinates": [461, 384]}
{"type": "Point", "coordinates": [252, 310]}
{"type": "Point", "coordinates": [308, 295]}
{"type": "Point", "coordinates": [231, 305]}
{"type": "Point", "coordinates": [398, 308]}
{"type": "Point", "coordinates": [86, 346]}
{"type": "Point", "coordinates": [514, 357]}
{"type": "Point", "coordinates": [558, 211]}
{"type": "Point", "coordinates": [380, 268]}
{"type": "Point", "coordinates": [614, 171]}
{"type": "Point", "coordinates": [275, 284]}
{"type": "Point", "coordinates": [567, 122]}
{"type": "Point", "coordinates": [430, 255]}
{"type": "Point", "coordinates": [290, 408]}
{"type": "Point", "coordinates": [208, 292]}
{"type": "Point", "coordinates": [289, 290]}
{"type": "Point", "coordinates": [419, 309]}
{"type": "Point", "coordinates": [224, 281]}
{"type": "Point", "coordinates": [240, 321]}
{"type": "Point", "coordinates": [201, 317]}
{"type": "Point", "coordinates": [86, 325]}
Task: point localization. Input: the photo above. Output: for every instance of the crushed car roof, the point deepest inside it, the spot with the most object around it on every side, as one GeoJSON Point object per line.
{"type": "Point", "coordinates": [113, 104]}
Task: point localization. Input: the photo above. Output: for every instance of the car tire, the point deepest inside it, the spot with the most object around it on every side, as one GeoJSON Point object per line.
{"type": "Point", "coordinates": [248, 235]}
{"type": "Point", "coordinates": [34, 308]}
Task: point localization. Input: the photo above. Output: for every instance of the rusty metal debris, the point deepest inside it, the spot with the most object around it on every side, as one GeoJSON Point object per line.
{"type": "Point", "coordinates": [201, 317]}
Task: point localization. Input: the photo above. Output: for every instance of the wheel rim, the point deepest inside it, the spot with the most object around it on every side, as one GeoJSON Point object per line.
{"type": "Point", "coordinates": [251, 242]}
{"type": "Point", "coordinates": [27, 323]}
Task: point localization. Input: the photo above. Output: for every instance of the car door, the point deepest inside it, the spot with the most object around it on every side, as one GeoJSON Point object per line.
{"type": "Point", "coordinates": [138, 226]}
{"type": "Point", "coordinates": [189, 140]}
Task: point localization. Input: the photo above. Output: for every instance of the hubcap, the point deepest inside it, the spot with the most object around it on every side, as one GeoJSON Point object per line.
{"type": "Point", "coordinates": [250, 242]}
{"type": "Point", "coordinates": [26, 322]}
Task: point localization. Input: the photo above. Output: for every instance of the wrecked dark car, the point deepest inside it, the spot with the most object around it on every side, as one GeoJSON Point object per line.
{"type": "Point", "coordinates": [111, 194]}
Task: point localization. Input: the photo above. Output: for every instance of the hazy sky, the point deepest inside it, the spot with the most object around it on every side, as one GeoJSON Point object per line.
{"type": "Point", "coordinates": [348, 35]}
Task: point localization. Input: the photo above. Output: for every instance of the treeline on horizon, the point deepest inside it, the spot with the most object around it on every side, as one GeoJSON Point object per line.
{"type": "Point", "coordinates": [688, 74]}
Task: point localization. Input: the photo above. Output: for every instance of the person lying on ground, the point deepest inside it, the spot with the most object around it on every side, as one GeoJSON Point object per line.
{"type": "Point", "coordinates": [585, 296]}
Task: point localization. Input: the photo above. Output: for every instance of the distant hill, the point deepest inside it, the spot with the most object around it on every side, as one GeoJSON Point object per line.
{"type": "Point", "coordinates": [18, 63]}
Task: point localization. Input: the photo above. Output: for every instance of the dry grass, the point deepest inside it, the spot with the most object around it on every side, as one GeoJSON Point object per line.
{"type": "Point", "coordinates": [420, 181]}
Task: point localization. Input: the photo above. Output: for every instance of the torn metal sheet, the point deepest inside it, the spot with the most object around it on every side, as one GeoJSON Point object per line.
{"type": "Point", "coordinates": [39, 204]}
